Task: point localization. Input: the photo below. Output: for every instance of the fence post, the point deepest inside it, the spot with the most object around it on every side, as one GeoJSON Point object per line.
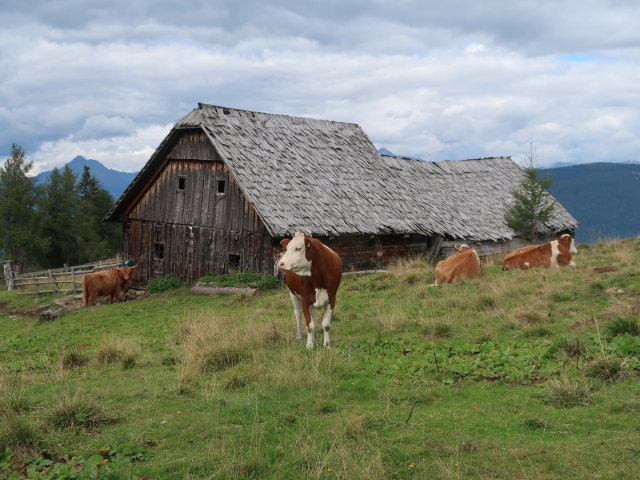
{"type": "Point", "coordinates": [8, 274]}
{"type": "Point", "coordinates": [73, 280]}
{"type": "Point", "coordinates": [54, 287]}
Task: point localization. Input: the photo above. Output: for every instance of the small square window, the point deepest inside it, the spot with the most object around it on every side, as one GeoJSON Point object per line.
{"type": "Point", "coordinates": [182, 183]}
{"type": "Point", "coordinates": [221, 186]}
{"type": "Point", "coordinates": [158, 251]}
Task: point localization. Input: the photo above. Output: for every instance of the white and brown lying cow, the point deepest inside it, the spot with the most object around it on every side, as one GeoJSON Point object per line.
{"type": "Point", "coordinates": [556, 253]}
{"type": "Point", "coordinates": [313, 272]}
{"type": "Point", "coordinates": [462, 265]}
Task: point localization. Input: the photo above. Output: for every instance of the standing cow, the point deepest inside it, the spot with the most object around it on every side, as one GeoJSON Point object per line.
{"type": "Point", "coordinates": [556, 253]}
{"type": "Point", "coordinates": [312, 272]}
{"type": "Point", "coordinates": [107, 283]}
{"type": "Point", "coordinates": [462, 265]}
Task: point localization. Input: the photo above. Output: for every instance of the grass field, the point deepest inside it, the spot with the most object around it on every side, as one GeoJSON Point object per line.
{"type": "Point", "coordinates": [522, 374]}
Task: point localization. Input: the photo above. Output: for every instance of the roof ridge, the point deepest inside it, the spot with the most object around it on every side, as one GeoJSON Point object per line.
{"type": "Point", "coordinates": [202, 105]}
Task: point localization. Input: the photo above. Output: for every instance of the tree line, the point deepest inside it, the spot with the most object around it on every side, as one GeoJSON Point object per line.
{"type": "Point", "coordinates": [59, 222]}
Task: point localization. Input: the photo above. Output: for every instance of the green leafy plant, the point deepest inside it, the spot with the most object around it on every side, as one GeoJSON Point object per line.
{"type": "Point", "coordinates": [246, 278]}
{"type": "Point", "coordinates": [162, 284]}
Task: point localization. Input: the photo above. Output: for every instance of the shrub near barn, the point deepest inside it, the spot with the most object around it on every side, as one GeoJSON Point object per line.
{"type": "Point", "coordinates": [530, 374]}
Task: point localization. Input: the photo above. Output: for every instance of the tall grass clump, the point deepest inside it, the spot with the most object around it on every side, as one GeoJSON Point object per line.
{"type": "Point", "coordinates": [214, 343]}
{"type": "Point", "coordinates": [19, 432]}
{"type": "Point", "coordinates": [606, 369]}
{"type": "Point", "coordinates": [623, 325]}
{"type": "Point", "coordinates": [76, 411]}
{"type": "Point", "coordinates": [567, 393]}
{"type": "Point", "coordinates": [116, 349]}
{"type": "Point", "coordinates": [71, 359]}
{"type": "Point", "coordinates": [411, 270]}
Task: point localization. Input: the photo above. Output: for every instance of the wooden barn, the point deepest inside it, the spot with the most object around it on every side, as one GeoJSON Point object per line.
{"type": "Point", "coordinates": [226, 185]}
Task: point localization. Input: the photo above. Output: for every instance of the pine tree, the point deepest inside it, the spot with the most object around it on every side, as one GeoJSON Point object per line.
{"type": "Point", "coordinates": [17, 217]}
{"type": "Point", "coordinates": [58, 215]}
{"type": "Point", "coordinates": [100, 239]}
{"type": "Point", "coordinates": [532, 205]}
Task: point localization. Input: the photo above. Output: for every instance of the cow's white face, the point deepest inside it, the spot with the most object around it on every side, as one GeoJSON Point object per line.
{"type": "Point", "coordinates": [294, 258]}
{"type": "Point", "coordinates": [573, 248]}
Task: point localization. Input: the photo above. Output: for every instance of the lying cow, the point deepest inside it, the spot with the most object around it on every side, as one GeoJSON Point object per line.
{"type": "Point", "coordinates": [312, 272]}
{"type": "Point", "coordinates": [108, 283]}
{"type": "Point", "coordinates": [462, 265]}
{"type": "Point", "coordinates": [556, 253]}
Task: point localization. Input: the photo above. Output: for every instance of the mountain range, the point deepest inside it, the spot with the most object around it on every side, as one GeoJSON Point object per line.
{"type": "Point", "coordinates": [111, 180]}
{"type": "Point", "coordinates": [601, 196]}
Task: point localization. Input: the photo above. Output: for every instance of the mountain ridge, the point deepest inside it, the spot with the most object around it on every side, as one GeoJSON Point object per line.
{"type": "Point", "coordinates": [113, 181]}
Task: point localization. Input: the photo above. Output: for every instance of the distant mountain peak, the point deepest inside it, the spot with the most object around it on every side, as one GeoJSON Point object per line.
{"type": "Point", "coordinates": [111, 180]}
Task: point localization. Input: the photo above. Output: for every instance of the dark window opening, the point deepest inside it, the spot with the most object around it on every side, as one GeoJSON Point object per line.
{"type": "Point", "coordinates": [221, 187]}
{"type": "Point", "coordinates": [182, 182]}
{"type": "Point", "coordinates": [234, 261]}
{"type": "Point", "coordinates": [158, 251]}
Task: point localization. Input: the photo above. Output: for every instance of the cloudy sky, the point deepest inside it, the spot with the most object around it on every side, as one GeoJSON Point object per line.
{"type": "Point", "coordinates": [437, 80]}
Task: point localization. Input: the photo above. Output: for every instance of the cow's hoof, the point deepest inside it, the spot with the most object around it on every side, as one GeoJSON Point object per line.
{"type": "Point", "coordinates": [299, 336]}
{"type": "Point", "coordinates": [326, 345]}
{"type": "Point", "coordinates": [309, 346]}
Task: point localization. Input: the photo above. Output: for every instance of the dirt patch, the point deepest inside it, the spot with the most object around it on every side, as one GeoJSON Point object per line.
{"type": "Point", "coordinates": [581, 324]}
{"type": "Point", "coordinates": [605, 269]}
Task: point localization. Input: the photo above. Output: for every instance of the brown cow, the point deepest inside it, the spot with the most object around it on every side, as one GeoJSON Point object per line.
{"type": "Point", "coordinates": [462, 265]}
{"type": "Point", "coordinates": [313, 272]}
{"type": "Point", "coordinates": [556, 253]}
{"type": "Point", "coordinates": [107, 283]}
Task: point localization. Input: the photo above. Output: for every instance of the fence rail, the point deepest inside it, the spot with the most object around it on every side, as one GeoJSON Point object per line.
{"type": "Point", "coordinates": [58, 280]}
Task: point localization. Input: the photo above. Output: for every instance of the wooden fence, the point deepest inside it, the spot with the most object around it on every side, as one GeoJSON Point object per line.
{"type": "Point", "coordinates": [57, 280]}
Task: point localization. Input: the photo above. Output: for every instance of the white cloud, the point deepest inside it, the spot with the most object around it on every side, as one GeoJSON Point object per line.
{"type": "Point", "coordinates": [459, 79]}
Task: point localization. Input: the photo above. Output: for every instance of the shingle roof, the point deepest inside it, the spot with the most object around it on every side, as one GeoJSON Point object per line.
{"type": "Point", "coordinates": [326, 178]}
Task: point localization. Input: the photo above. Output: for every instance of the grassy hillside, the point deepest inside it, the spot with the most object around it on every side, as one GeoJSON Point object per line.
{"type": "Point", "coordinates": [530, 375]}
{"type": "Point", "coordinates": [602, 197]}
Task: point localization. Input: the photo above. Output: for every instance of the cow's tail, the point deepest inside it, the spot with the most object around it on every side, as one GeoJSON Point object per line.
{"type": "Point", "coordinates": [85, 293]}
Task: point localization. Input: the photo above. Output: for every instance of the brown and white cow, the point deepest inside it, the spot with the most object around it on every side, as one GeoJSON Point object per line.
{"type": "Point", "coordinates": [462, 265]}
{"type": "Point", "coordinates": [312, 272]}
{"type": "Point", "coordinates": [556, 253]}
{"type": "Point", "coordinates": [108, 283]}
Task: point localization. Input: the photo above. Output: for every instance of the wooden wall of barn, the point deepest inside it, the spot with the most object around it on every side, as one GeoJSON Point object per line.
{"type": "Point", "coordinates": [193, 219]}
{"type": "Point", "coordinates": [370, 251]}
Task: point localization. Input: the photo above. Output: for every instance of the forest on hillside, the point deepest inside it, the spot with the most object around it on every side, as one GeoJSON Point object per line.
{"type": "Point", "coordinates": [59, 222]}
{"type": "Point", "coordinates": [603, 197]}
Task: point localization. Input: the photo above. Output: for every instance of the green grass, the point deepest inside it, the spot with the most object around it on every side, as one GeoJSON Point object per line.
{"type": "Point", "coordinates": [513, 375]}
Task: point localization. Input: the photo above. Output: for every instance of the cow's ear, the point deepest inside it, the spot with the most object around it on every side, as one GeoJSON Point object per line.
{"type": "Point", "coordinates": [284, 242]}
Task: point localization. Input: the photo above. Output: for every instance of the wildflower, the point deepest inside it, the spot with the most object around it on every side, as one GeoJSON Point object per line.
{"type": "Point", "coordinates": [329, 469]}
{"type": "Point", "coordinates": [179, 411]}
{"type": "Point", "coordinates": [411, 465]}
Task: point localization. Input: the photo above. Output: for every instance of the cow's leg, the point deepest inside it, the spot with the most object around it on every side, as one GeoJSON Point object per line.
{"type": "Point", "coordinates": [307, 310]}
{"type": "Point", "coordinates": [326, 325]}
{"type": "Point", "coordinates": [297, 311]}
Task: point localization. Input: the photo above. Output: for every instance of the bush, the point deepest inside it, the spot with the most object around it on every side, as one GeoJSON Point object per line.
{"type": "Point", "coordinates": [162, 284]}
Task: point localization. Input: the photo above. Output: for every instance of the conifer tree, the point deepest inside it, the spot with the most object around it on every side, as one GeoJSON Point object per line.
{"type": "Point", "coordinates": [532, 205]}
{"type": "Point", "coordinates": [18, 239]}
{"type": "Point", "coordinates": [100, 239]}
{"type": "Point", "coordinates": [58, 216]}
